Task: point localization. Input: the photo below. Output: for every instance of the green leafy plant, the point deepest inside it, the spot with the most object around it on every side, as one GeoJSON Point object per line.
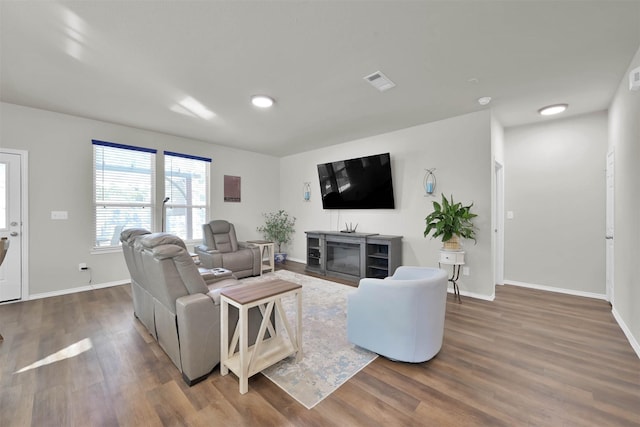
{"type": "Point", "coordinates": [450, 219]}
{"type": "Point", "coordinates": [278, 227]}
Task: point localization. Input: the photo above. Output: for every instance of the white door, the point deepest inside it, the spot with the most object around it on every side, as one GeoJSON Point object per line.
{"type": "Point", "coordinates": [11, 226]}
{"type": "Point", "coordinates": [609, 220]}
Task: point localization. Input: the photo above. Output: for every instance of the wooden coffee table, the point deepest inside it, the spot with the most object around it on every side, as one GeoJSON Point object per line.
{"type": "Point", "coordinates": [248, 361]}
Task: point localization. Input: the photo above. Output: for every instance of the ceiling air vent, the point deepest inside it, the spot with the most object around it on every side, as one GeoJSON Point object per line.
{"type": "Point", "coordinates": [379, 81]}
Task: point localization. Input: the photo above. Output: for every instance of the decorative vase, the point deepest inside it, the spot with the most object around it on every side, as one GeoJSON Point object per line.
{"type": "Point", "coordinates": [453, 244]}
{"type": "Point", "coordinates": [280, 258]}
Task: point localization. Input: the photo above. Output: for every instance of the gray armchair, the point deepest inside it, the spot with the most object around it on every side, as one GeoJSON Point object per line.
{"type": "Point", "coordinates": [221, 249]}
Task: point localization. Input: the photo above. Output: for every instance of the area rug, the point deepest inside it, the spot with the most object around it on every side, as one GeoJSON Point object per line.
{"type": "Point", "coordinates": [329, 360]}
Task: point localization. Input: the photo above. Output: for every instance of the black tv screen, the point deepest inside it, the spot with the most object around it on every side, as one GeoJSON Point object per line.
{"type": "Point", "coordinates": [361, 183]}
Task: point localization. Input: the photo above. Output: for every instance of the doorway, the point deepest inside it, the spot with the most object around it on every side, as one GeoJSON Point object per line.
{"type": "Point", "coordinates": [498, 225]}
{"type": "Point", "coordinates": [13, 198]}
{"type": "Point", "coordinates": [609, 224]}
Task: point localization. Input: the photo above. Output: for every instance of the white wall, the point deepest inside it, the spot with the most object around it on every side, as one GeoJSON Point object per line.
{"type": "Point", "coordinates": [624, 139]}
{"type": "Point", "coordinates": [555, 186]}
{"type": "Point", "coordinates": [460, 150]}
{"type": "Point", "coordinates": [61, 176]}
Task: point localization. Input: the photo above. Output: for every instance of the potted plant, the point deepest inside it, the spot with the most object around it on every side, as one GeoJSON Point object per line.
{"type": "Point", "coordinates": [452, 221]}
{"type": "Point", "coordinates": [278, 228]}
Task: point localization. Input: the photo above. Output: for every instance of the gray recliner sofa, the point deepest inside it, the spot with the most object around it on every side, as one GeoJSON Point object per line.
{"type": "Point", "coordinates": [142, 299]}
{"type": "Point", "coordinates": [180, 310]}
{"type": "Point", "coordinates": [221, 249]}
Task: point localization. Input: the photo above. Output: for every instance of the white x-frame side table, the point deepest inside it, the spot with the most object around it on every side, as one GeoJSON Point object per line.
{"type": "Point", "coordinates": [267, 254]}
{"type": "Point", "coordinates": [249, 360]}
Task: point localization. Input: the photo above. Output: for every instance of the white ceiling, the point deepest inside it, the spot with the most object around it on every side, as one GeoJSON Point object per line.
{"type": "Point", "coordinates": [132, 62]}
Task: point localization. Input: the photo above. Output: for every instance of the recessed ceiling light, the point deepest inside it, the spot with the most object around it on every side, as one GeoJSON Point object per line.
{"type": "Point", "coordinates": [484, 100]}
{"type": "Point", "coordinates": [262, 101]}
{"type": "Point", "coordinates": [550, 110]}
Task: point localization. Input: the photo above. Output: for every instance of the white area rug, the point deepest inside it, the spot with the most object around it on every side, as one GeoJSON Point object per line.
{"type": "Point", "coordinates": [329, 360]}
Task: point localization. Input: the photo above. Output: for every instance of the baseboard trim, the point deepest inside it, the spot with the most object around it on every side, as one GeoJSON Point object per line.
{"type": "Point", "coordinates": [473, 295]}
{"type": "Point", "coordinates": [627, 332]}
{"type": "Point", "coordinates": [78, 289]}
{"type": "Point", "coordinates": [557, 290]}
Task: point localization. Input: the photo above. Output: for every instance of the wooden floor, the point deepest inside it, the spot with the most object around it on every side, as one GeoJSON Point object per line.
{"type": "Point", "coordinates": [529, 358]}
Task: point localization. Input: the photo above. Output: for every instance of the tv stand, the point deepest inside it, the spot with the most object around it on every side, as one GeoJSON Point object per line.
{"type": "Point", "coordinates": [352, 256]}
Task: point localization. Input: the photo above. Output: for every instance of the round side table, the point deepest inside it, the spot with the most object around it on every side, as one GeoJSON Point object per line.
{"type": "Point", "coordinates": [456, 260]}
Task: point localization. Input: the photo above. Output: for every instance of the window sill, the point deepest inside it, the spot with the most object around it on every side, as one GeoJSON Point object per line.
{"type": "Point", "coordinates": [108, 250]}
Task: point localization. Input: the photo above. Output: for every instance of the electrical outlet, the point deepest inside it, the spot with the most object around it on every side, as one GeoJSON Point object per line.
{"type": "Point", "coordinates": [82, 266]}
{"type": "Point", "coordinates": [465, 271]}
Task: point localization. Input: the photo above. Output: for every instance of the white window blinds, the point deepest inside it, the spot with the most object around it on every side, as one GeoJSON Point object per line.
{"type": "Point", "coordinates": [124, 189]}
{"type": "Point", "coordinates": [186, 181]}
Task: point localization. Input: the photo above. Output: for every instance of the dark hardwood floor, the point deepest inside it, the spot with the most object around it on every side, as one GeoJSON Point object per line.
{"type": "Point", "coordinates": [529, 358]}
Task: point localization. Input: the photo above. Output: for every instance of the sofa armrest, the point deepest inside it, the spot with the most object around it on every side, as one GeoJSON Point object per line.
{"type": "Point", "coordinates": [216, 287]}
{"type": "Point", "coordinates": [205, 249]}
{"type": "Point", "coordinates": [198, 320]}
{"type": "Point", "coordinates": [209, 258]}
{"type": "Point", "coordinates": [257, 256]}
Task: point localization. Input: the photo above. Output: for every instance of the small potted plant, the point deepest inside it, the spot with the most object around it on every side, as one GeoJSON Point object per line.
{"type": "Point", "coordinates": [452, 221]}
{"type": "Point", "coordinates": [278, 228]}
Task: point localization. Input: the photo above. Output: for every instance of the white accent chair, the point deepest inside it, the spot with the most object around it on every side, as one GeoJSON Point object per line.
{"type": "Point", "coordinates": [400, 317]}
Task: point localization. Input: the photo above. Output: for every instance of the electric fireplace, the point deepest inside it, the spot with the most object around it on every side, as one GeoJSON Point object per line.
{"type": "Point", "coordinates": [343, 258]}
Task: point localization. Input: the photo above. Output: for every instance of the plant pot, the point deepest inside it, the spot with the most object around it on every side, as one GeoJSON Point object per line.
{"type": "Point", "coordinates": [280, 257]}
{"type": "Point", "coordinates": [453, 244]}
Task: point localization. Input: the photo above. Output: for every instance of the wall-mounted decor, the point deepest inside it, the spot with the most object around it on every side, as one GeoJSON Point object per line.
{"type": "Point", "coordinates": [306, 191]}
{"type": "Point", "coordinates": [231, 188]}
{"type": "Point", "coordinates": [429, 182]}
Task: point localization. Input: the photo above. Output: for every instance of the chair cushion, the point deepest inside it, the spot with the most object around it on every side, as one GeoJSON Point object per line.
{"type": "Point", "coordinates": [156, 239]}
{"type": "Point", "coordinates": [219, 226]}
{"type": "Point", "coordinates": [128, 236]}
{"type": "Point", "coordinates": [223, 242]}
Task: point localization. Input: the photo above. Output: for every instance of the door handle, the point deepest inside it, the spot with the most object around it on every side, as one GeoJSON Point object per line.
{"type": "Point", "coordinates": [13, 234]}
{"type": "Point", "coordinates": [608, 237]}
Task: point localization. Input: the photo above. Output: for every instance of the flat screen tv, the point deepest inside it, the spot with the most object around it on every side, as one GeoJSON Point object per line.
{"type": "Point", "coordinates": [360, 183]}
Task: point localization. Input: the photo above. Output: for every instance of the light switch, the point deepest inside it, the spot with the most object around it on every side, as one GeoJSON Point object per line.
{"type": "Point", "coordinates": [59, 215]}
{"type": "Point", "coordinates": [509, 214]}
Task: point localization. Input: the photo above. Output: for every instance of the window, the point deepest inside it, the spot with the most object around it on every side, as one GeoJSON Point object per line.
{"type": "Point", "coordinates": [186, 183]}
{"type": "Point", "coordinates": [124, 190]}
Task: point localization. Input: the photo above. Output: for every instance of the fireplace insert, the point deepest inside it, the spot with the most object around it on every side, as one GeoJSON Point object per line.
{"type": "Point", "coordinates": [343, 258]}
